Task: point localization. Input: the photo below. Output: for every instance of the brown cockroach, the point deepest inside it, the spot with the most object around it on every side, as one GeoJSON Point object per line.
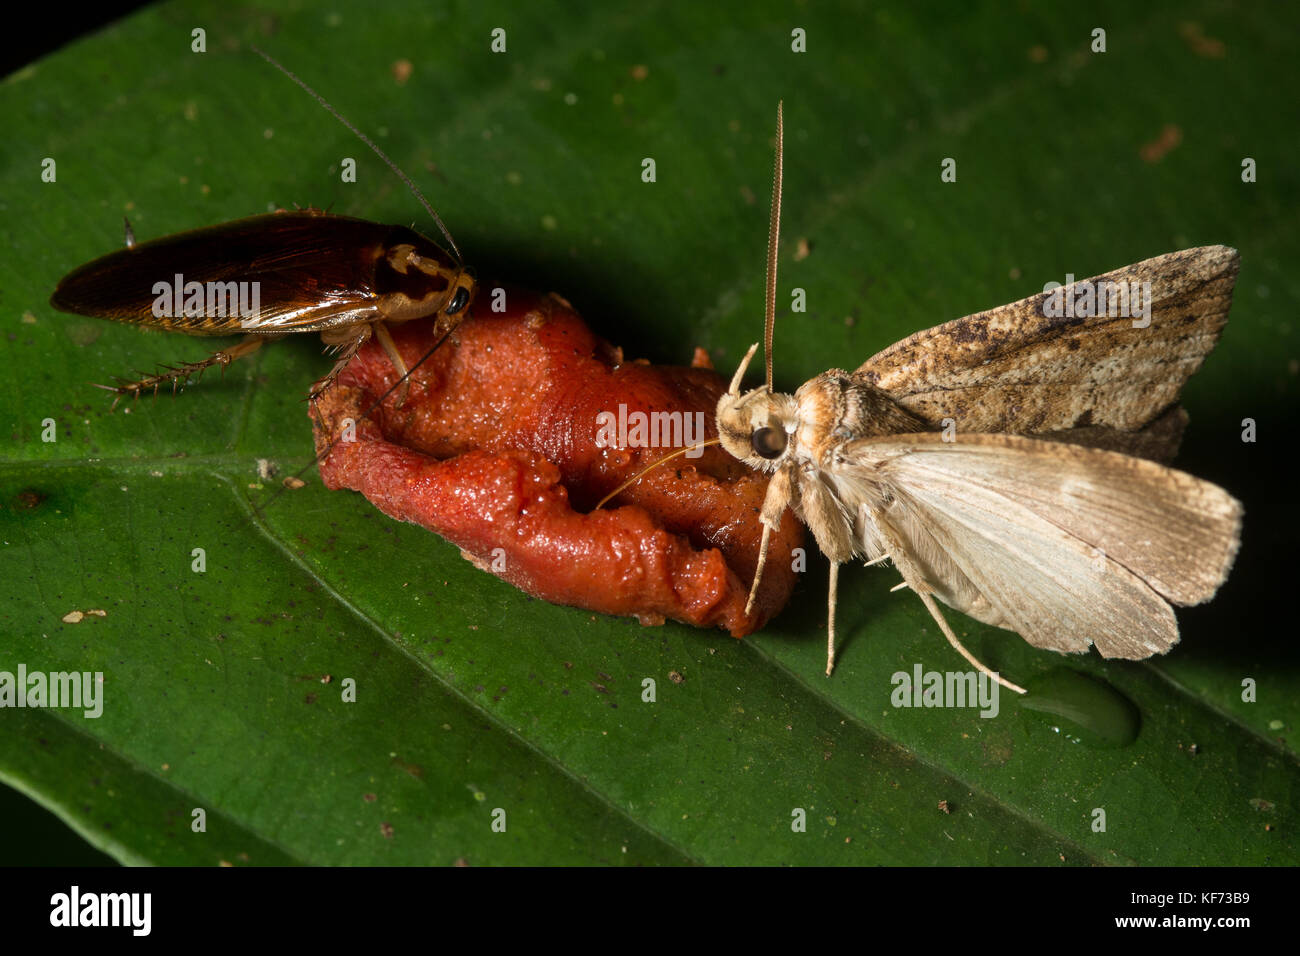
{"type": "Point", "coordinates": [271, 275]}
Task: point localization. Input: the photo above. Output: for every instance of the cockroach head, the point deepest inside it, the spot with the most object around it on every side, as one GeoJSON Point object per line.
{"type": "Point", "coordinates": [461, 293]}
{"type": "Point", "coordinates": [758, 426]}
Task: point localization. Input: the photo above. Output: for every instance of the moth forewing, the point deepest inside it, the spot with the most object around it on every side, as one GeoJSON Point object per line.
{"type": "Point", "coordinates": [1034, 367]}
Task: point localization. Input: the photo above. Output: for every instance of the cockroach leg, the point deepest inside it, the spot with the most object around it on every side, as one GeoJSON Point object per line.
{"type": "Point", "coordinates": [118, 392]}
{"type": "Point", "coordinates": [386, 340]}
{"type": "Point", "coordinates": [130, 233]}
{"type": "Point", "coordinates": [348, 339]}
{"type": "Point", "coordinates": [178, 375]}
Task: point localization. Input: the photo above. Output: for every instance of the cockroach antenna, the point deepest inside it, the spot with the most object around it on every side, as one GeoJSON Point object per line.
{"type": "Point", "coordinates": [365, 415]}
{"type": "Point", "coordinates": [410, 184]}
{"type": "Point", "coordinates": [415, 191]}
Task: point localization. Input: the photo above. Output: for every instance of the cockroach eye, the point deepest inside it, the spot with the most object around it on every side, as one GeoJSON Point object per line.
{"type": "Point", "coordinates": [458, 301]}
{"type": "Point", "coordinates": [768, 442]}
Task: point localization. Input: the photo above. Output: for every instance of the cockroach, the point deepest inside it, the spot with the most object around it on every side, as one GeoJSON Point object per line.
{"type": "Point", "coordinates": [276, 274]}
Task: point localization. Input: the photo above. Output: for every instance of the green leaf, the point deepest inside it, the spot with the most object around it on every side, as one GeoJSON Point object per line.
{"type": "Point", "coordinates": [223, 689]}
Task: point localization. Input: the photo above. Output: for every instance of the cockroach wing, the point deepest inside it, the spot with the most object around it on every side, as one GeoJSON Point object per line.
{"type": "Point", "coordinates": [312, 270]}
{"type": "Point", "coordinates": [1063, 544]}
{"type": "Point", "coordinates": [1109, 380]}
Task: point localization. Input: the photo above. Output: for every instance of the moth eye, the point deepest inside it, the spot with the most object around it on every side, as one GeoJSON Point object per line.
{"type": "Point", "coordinates": [768, 442]}
{"type": "Point", "coordinates": [458, 301]}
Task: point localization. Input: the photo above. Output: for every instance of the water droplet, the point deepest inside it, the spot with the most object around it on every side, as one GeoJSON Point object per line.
{"type": "Point", "coordinates": [1091, 711]}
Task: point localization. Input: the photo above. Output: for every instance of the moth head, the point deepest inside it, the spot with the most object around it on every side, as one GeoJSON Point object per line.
{"type": "Point", "coordinates": [758, 426]}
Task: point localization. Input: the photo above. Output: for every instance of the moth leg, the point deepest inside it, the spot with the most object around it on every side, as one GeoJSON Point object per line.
{"type": "Point", "coordinates": [348, 339]}
{"type": "Point", "coordinates": [928, 600]}
{"type": "Point", "coordinates": [394, 356]}
{"type": "Point", "coordinates": [915, 580]}
{"type": "Point", "coordinates": [830, 617]}
{"type": "Point", "coordinates": [178, 375]}
{"type": "Point", "coordinates": [775, 502]}
{"type": "Point", "coordinates": [758, 572]}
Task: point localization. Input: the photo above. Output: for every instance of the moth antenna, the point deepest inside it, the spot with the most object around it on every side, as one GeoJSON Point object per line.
{"type": "Point", "coordinates": [649, 468]}
{"type": "Point", "coordinates": [734, 389]}
{"type": "Point", "coordinates": [773, 241]}
{"type": "Point", "coordinates": [415, 191]}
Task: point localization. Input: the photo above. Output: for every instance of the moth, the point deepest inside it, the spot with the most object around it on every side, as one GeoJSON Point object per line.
{"type": "Point", "coordinates": [1010, 463]}
{"type": "Point", "coordinates": [273, 275]}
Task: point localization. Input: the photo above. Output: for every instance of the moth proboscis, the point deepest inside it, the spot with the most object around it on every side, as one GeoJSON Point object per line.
{"type": "Point", "coordinates": [1011, 463]}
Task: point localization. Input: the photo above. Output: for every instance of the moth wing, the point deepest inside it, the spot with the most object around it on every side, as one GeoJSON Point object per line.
{"type": "Point", "coordinates": [1067, 545]}
{"type": "Point", "coordinates": [312, 270]}
{"type": "Point", "coordinates": [1017, 370]}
